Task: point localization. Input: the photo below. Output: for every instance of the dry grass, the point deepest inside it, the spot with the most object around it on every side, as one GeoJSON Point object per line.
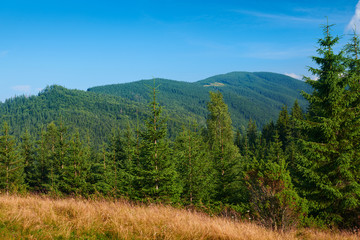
{"type": "Point", "coordinates": [35, 217]}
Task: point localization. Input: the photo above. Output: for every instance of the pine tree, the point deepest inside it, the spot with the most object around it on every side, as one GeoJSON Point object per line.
{"type": "Point", "coordinates": [194, 167]}
{"type": "Point", "coordinates": [100, 175]}
{"type": "Point", "coordinates": [252, 136]}
{"type": "Point", "coordinates": [42, 166]}
{"type": "Point", "coordinates": [156, 174]}
{"type": "Point", "coordinates": [283, 127]}
{"type": "Point", "coordinates": [295, 116]}
{"type": "Point", "coordinates": [330, 150]}
{"type": "Point", "coordinates": [11, 164]}
{"type": "Point", "coordinates": [268, 132]}
{"type": "Point", "coordinates": [123, 148]}
{"type": "Point", "coordinates": [75, 168]}
{"type": "Point", "coordinates": [225, 154]}
{"type": "Point", "coordinates": [273, 200]}
{"type": "Point", "coordinates": [27, 152]}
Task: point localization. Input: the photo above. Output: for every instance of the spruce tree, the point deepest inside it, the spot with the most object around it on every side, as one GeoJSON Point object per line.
{"type": "Point", "coordinates": [123, 147]}
{"type": "Point", "coordinates": [156, 175]}
{"type": "Point", "coordinates": [268, 132]}
{"type": "Point", "coordinates": [225, 154]}
{"type": "Point", "coordinates": [100, 175]}
{"type": "Point", "coordinates": [252, 135]}
{"type": "Point", "coordinates": [283, 127]}
{"type": "Point", "coordinates": [330, 156]}
{"type": "Point", "coordinates": [194, 167]}
{"type": "Point", "coordinates": [42, 165]}
{"type": "Point", "coordinates": [273, 199]}
{"type": "Point", "coordinates": [75, 168]}
{"type": "Point", "coordinates": [11, 163]}
{"type": "Point", "coordinates": [295, 116]}
{"type": "Point", "coordinates": [27, 151]}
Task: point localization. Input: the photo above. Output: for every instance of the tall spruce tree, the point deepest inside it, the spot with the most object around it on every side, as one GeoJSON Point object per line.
{"type": "Point", "coordinates": [295, 116]}
{"type": "Point", "coordinates": [283, 127]}
{"type": "Point", "coordinates": [123, 148]}
{"type": "Point", "coordinates": [195, 169]}
{"type": "Point", "coordinates": [11, 164]}
{"type": "Point", "coordinates": [42, 166]}
{"type": "Point", "coordinates": [75, 168]}
{"type": "Point", "coordinates": [225, 154]}
{"type": "Point", "coordinates": [100, 175]}
{"type": "Point", "coordinates": [156, 175]}
{"type": "Point", "coordinates": [252, 135]}
{"type": "Point", "coordinates": [27, 152]}
{"type": "Point", "coordinates": [330, 159]}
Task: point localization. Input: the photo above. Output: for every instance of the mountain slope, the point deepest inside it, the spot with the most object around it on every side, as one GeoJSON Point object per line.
{"type": "Point", "coordinates": [259, 96]}
{"type": "Point", "coordinates": [100, 110]}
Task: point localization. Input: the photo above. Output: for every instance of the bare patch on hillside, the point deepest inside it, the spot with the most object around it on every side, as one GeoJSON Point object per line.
{"type": "Point", "coordinates": [215, 84]}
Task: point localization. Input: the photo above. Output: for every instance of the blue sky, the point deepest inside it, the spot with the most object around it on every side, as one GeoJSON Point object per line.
{"type": "Point", "coordinates": [81, 44]}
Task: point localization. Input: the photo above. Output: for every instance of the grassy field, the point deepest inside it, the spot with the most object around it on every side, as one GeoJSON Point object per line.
{"type": "Point", "coordinates": [35, 217]}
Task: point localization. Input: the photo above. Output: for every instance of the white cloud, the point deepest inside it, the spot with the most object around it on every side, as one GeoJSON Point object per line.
{"type": "Point", "coordinates": [355, 20]}
{"type": "Point", "coordinates": [22, 88]}
{"type": "Point", "coordinates": [280, 17]}
{"type": "Point", "coordinates": [293, 75]}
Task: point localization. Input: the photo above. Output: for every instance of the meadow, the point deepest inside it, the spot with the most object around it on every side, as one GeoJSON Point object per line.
{"type": "Point", "coordinates": [39, 217]}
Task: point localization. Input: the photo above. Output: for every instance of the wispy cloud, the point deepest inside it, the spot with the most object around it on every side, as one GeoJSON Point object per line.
{"type": "Point", "coordinates": [355, 20]}
{"type": "Point", "coordinates": [293, 75]}
{"type": "Point", "coordinates": [22, 88]}
{"type": "Point", "coordinates": [280, 17]}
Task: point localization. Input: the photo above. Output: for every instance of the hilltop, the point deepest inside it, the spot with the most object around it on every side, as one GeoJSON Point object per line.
{"type": "Point", "coordinates": [99, 110]}
{"type": "Point", "coordinates": [258, 95]}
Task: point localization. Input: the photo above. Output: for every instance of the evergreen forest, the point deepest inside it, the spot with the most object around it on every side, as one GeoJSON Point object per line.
{"type": "Point", "coordinates": [291, 161]}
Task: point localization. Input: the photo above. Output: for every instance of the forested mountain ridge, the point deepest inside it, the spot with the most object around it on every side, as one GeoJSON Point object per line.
{"type": "Point", "coordinates": [89, 112]}
{"type": "Point", "coordinates": [100, 110]}
{"type": "Point", "coordinates": [258, 95]}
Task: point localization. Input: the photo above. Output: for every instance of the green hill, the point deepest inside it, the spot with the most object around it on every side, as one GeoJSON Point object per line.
{"type": "Point", "coordinates": [259, 95]}
{"type": "Point", "coordinates": [100, 110]}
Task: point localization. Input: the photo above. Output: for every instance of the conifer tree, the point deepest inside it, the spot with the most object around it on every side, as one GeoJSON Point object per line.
{"type": "Point", "coordinates": [225, 154]}
{"type": "Point", "coordinates": [11, 164]}
{"type": "Point", "coordinates": [27, 151]}
{"type": "Point", "coordinates": [268, 132]}
{"type": "Point", "coordinates": [273, 200]}
{"type": "Point", "coordinates": [123, 152]}
{"type": "Point", "coordinates": [194, 167]}
{"type": "Point", "coordinates": [50, 151]}
{"type": "Point", "coordinates": [252, 136]}
{"type": "Point", "coordinates": [55, 146]}
{"type": "Point", "coordinates": [295, 116]}
{"type": "Point", "coordinates": [330, 150]}
{"type": "Point", "coordinates": [283, 127]}
{"type": "Point", "coordinates": [100, 176]}
{"type": "Point", "coordinates": [75, 168]}
{"type": "Point", "coordinates": [42, 166]}
{"type": "Point", "coordinates": [156, 174]}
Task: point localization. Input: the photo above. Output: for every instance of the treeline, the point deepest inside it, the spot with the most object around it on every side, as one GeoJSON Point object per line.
{"type": "Point", "coordinates": [302, 169]}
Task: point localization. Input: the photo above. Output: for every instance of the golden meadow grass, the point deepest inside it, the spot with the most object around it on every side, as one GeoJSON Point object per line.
{"type": "Point", "coordinates": [35, 217]}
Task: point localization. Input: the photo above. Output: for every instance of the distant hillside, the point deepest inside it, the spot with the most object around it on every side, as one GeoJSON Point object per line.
{"type": "Point", "coordinates": [94, 115]}
{"type": "Point", "coordinates": [100, 110]}
{"type": "Point", "coordinates": [259, 95]}
{"type": "Point", "coordinates": [91, 113]}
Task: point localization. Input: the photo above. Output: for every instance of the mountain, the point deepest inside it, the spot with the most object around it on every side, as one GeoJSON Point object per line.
{"type": "Point", "coordinates": [100, 110]}
{"type": "Point", "coordinates": [258, 95]}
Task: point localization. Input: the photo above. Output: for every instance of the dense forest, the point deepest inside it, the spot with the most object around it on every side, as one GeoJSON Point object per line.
{"type": "Point", "coordinates": [96, 112]}
{"type": "Point", "coordinates": [302, 169]}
